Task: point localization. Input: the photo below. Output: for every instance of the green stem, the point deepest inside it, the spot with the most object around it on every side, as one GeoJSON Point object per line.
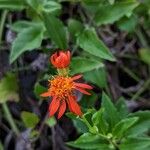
{"type": "Point", "coordinates": [10, 118]}
{"type": "Point", "coordinates": [141, 90]}
{"type": "Point", "coordinates": [141, 38]}
{"type": "Point", "coordinates": [86, 122]}
{"type": "Point", "coordinates": [3, 18]}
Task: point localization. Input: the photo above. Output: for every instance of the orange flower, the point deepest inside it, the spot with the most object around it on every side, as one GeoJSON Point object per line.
{"type": "Point", "coordinates": [61, 59]}
{"type": "Point", "coordinates": [61, 89]}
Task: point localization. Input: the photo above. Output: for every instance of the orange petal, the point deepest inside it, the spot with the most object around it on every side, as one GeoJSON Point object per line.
{"type": "Point", "coordinates": [73, 105]}
{"type": "Point", "coordinates": [64, 62]}
{"type": "Point", "coordinates": [82, 85]}
{"type": "Point", "coordinates": [46, 94]}
{"type": "Point", "coordinates": [59, 59]}
{"type": "Point", "coordinates": [82, 91]}
{"type": "Point", "coordinates": [62, 109]}
{"type": "Point", "coordinates": [54, 106]}
{"type": "Point", "coordinates": [77, 77]}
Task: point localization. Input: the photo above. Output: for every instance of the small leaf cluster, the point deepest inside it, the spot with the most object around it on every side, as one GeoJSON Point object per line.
{"type": "Point", "coordinates": [112, 127]}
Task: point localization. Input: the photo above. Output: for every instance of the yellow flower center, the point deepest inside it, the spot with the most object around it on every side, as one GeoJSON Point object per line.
{"type": "Point", "coordinates": [61, 86]}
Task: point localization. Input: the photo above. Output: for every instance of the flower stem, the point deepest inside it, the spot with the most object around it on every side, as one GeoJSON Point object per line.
{"type": "Point", "coordinates": [10, 118]}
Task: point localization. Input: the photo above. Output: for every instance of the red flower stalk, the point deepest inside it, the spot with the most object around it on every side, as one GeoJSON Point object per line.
{"type": "Point", "coordinates": [60, 59]}
{"type": "Point", "coordinates": [61, 89]}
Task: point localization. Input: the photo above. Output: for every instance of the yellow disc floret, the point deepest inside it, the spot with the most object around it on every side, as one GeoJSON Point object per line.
{"type": "Point", "coordinates": [61, 86]}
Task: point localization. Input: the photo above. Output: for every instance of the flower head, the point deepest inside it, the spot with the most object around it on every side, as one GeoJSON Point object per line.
{"type": "Point", "coordinates": [62, 89]}
{"type": "Point", "coordinates": [60, 59]}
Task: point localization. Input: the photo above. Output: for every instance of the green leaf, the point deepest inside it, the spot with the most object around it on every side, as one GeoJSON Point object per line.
{"type": "Point", "coordinates": [51, 7]}
{"type": "Point", "coordinates": [27, 40]}
{"type": "Point", "coordinates": [18, 26]}
{"type": "Point", "coordinates": [75, 27]}
{"type": "Point", "coordinates": [97, 76]}
{"type": "Point", "coordinates": [90, 42]}
{"type": "Point", "coordinates": [122, 108]}
{"type": "Point", "coordinates": [29, 119]}
{"type": "Point", "coordinates": [90, 142]}
{"type": "Point", "coordinates": [9, 88]}
{"type": "Point", "coordinates": [51, 121]}
{"type": "Point", "coordinates": [89, 101]}
{"type": "Point", "coordinates": [56, 30]}
{"type": "Point", "coordinates": [138, 143]}
{"type": "Point", "coordinates": [111, 113]}
{"type": "Point", "coordinates": [99, 121]}
{"type": "Point", "coordinates": [34, 4]}
{"type": "Point", "coordinates": [122, 126]}
{"type": "Point", "coordinates": [92, 5]}
{"type": "Point", "coordinates": [111, 13]}
{"type": "Point", "coordinates": [80, 65]}
{"type": "Point", "coordinates": [39, 89]}
{"type": "Point", "coordinates": [145, 55]}
{"type": "Point", "coordinates": [79, 125]}
{"type": "Point", "coordinates": [142, 125]}
{"type": "Point", "coordinates": [12, 4]}
{"type": "Point", "coordinates": [128, 24]}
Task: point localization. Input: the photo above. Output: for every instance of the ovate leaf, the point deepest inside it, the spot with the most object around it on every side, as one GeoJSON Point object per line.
{"type": "Point", "coordinates": [123, 126]}
{"type": "Point", "coordinates": [92, 5]}
{"type": "Point", "coordinates": [18, 26]}
{"type": "Point", "coordinates": [128, 23]}
{"type": "Point", "coordinates": [97, 76]}
{"type": "Point", "coordinates": [78, 123]}
{"type": "Point", "coordinates": [51, 6]}
{"type": "Point", "coordinates": [111, 13]}
{"type": "Point", "coordinates": [111, 113]}
{"type": "Point", "coordinates": [27, 40]}
{"type": "Point", "coordinates": [9, 88]}
{"type": "Point", "coordinates": [142, 125]}
{"type": "Point", "coordinates": [90, 42]}
{"type": "Point", "coordinates": [38, 89]}
{"type": "Point", "coordinates": [80, 65]}
{"type": "Point", "coordinates": [56, 30]}
{"type": "Point", "coordinates": [122, 108]}
{"type": "Point", "coordinates": [75, 27]}
{"type": "Point", "coordinates": [30, 119]}
{"type": "Point", "coordinates": [89, 141]}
